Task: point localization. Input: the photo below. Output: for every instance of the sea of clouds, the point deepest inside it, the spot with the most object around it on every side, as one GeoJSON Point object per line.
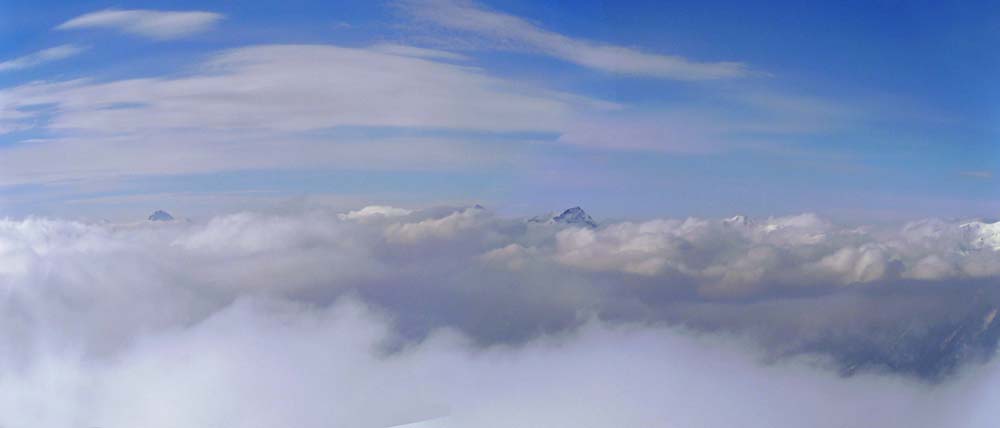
{"type": "Point", "coordinates": [385, 316]}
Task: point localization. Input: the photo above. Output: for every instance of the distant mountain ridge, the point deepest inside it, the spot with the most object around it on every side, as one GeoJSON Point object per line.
{"type": "Point", "coordinates": [931, 354]}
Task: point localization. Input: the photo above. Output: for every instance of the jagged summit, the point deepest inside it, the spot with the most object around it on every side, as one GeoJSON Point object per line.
{"type": "Point", "coordinates": [160, 215]}
{"type": "Point", "coordinates": [982, 234]}
{"type": "Point", "coordinates": [575, 216]}
{"type": "Point", "coordinates": [738, 220]}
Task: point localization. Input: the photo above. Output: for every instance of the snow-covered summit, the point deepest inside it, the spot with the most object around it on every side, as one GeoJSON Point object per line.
{"type": "Point", "coordinates": [160, 215]}
{"type": "Point", "coordinates": [575, 216]}
{"type": "Point", "coordinates": [738, 220]}
{"type": "Point", "coordinates": [982, 234]}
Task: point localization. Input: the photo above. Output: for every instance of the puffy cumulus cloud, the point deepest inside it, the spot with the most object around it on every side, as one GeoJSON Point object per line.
{"type": "Point", "coordinates": [447, 227]}
{"type": "Point", "coordinates": [319, 318]}
{"type": "Point", "coordinates": [513, 256]}
{"type": "Point", "coordinates": [784, 251]}
{"type": "Point", "coordinates": [310, 251]}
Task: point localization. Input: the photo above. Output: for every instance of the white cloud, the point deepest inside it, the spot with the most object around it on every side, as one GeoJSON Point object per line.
{"type": "Point", "coordinates": [269, 106]}
{"type": "Point", "coordinates": [447, 227]}
{"type": "Point", "coordinates": [513, 256]}
{"type": "Point", "coordinates": [104, 310]}
{"type": "Point", "coordinates": [41, 57]}
{"type": "Point", "coordinates": [304, 87]}
{"type": "Point", "coordinates": [741, 258]}
{"type": "Point", "coordinates": [237, 321]}
{"type": "Point", "coordinates": [157, 25]}
{"type": "Point", "coordinates": [404, 50]}
{"type": "Point", "coordinates": [248, 109]}
{"type": "Point", "coordinates": [717, 257]}
{"type": "Point", "coordinates": [260, 363]}
{"type": "Point", "coordinates": [521, 34]}
{"type": "Point", "coordinates": [375, 211]}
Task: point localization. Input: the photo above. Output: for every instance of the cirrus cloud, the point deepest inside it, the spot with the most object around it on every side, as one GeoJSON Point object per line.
{"type": "Point", "coordinates": [154, 24]}
{"type": "Point", "coordinates": [41, 57]}
{"type": "Point", "coordinates": [520, 34]}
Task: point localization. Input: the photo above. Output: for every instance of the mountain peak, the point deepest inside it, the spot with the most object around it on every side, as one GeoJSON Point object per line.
{"type": "Point", "coordinates": [738, 220]}
{"type": "Point", "coordinates": [160, 215]}
{"type": "Point", "coordinates": [575, 216]}
{"type": "Point", "coordinates": [982, 234]}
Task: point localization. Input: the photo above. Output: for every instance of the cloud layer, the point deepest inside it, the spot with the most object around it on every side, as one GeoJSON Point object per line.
{"type": "Point", "coordinates": [738, 253]}
{"type": "Point", "coordinates": [384, 316]}
{"type": "Point", "coordinates": [257, 363]}
{"type": "Point", "coordinates": [559, 272]}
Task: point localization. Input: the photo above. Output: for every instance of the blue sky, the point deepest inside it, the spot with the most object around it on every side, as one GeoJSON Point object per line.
{"type": "Point", "coordinates": [856, 110]}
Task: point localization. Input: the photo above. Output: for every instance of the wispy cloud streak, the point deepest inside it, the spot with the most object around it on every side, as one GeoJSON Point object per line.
{"type": "Point", "coordinates": [154, 24]}
{"type": "Point", "coordinates": [41, 57]}
{"type": "Point", "coordinates": [518, 33]}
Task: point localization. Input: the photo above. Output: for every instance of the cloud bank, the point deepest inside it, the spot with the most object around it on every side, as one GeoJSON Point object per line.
{"type": "Point", "coordinates": [385, 316]}
{"type": "Point", "coordinates": [258, 363]}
